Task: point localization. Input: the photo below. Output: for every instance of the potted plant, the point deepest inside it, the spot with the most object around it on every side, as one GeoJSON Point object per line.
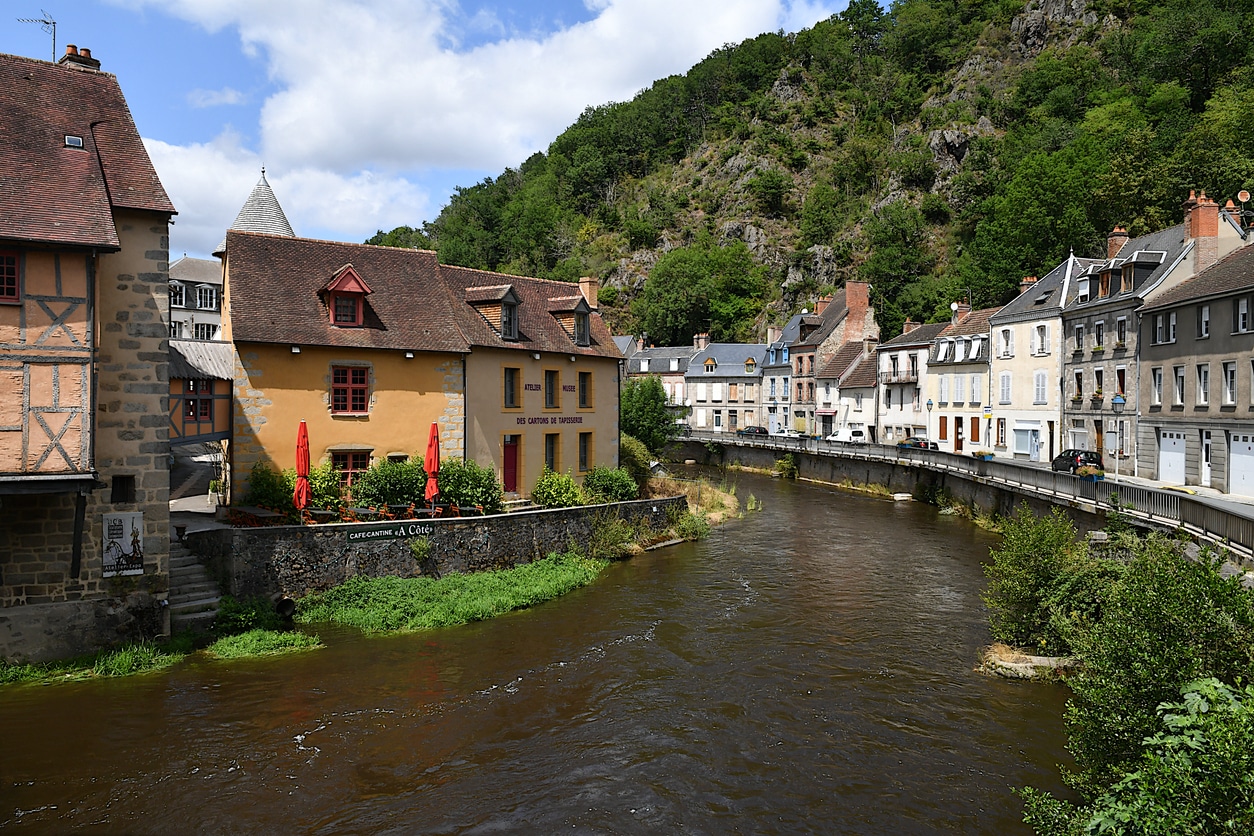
{"type": "Point", "coordinates": [986, 455]}
{"type": "Point", "coordinates": [1090, 474]}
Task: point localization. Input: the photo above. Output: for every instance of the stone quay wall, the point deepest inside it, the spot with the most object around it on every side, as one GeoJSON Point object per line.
{"type": "Point", "coordinates": [295, 560]}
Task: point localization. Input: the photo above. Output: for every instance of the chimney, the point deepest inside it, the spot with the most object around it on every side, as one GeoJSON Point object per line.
{"type": "Point", "coordinates": [1201, 226]}
{"type": "Point", "coordinates": [75, 57]}
{"type": "Point", "coordinates": [821, 304]}
{"type": "Point", "coordinates": [773, 333]}
{"type": "Point", "coordinates": [1115, 241]}
{"type": "Point", "coordinates": [1230, 209]}
{"type": "Point", "coordinates": [1026, 282]}
{"type": "Point", "coordinates": [700, 341]}
{"type": "Point", "coordinates": [868, 345]}
{"type": "Point", "coordinates": [909, 325]}
{"type": "Point", "coordinates": [962, 309]}
{"type": "Point", "coordinates": [588, 286]}
{"type": "Point", "coordinates": [857, 302]}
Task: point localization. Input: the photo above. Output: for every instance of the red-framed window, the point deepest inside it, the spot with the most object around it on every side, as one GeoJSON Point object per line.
{"type": "Point", "coordinates": [350, 389]}
{"type": "Point", "coordinates": [10, 279]}
{"type": "Point", "coordinates": [346, 309]}
{"type": "Point", "coordinates": [349, 466]}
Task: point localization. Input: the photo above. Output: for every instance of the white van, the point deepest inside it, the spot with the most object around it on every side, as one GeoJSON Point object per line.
{"type": "Point", "coordinates": [848, 435]}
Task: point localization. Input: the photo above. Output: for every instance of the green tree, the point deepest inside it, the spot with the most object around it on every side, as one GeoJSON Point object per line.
{"type": "Point", "coordinates": [702, 287]}
{"type": "Point", "coordinates": [405, 237]}
{"type": "Point", "coordinates": [643, 413]}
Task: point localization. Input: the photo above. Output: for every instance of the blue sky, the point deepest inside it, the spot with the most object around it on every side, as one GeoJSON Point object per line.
{"type": "Point", "coordinates": [368, 113]}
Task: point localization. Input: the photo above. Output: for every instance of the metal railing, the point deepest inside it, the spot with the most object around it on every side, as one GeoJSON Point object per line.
{"type": "Point", "coordinates": [1220, 526]}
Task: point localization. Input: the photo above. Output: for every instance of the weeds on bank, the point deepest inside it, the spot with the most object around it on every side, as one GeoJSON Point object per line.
{"type": "Point", "coordinates": [261, 643]}
{"type": "Point", "coordinates": [134, 658]}
{"type": "Point", "coordinates": [406, 604]}
{"type": "Point", "coordinates": [715, 503]}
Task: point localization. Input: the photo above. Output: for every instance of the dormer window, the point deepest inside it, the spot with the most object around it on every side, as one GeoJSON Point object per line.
{"type": "Point", "coordinates": [751, 366]}
{"type": "Point", "coordinates": [784, 358]}
{"type": "Point", "coordinates": [583, 328]}
{"type": "Point", "coordinates": [509, 320]}
{"type": "Point", "coordinates": [1083, 293]}
{"type": "Point", "coordinates": [346, 298]}
{"type": "Point", "coordinates": [178, 295]}
{"type": "Point", "coordinates": [710, 366]}
{"type": "Point", "coordinates": [1103, 289]}
{"type": "Point", "coordinates": [574, 315]}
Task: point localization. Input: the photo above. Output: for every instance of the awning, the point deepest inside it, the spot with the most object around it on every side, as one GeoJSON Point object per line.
{"type": "Point", "coordinates": [825, 412]}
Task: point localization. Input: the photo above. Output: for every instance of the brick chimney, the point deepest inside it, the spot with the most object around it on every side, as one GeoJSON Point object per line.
{"type": "Point", "coordinates": [1115, 241]}
{"type": "Point", "coordinates": [909, 325]}
{"type": "Point", "coordinates": [961, 312]}
{"type": "Point", "coordinates": [821, 304]}
{"type": "Point", "coordinates": [588, 286]}
{"type": "Point", "coordinates": [75, 57]}
{"type": "Point", "coordinates": [1201, 226]}
{"type": "Point", "coordinates": [857, 301]}
{"type": "Point", "coordinates": [1026, 282]}
{"type": "Point", "coordinates": [700, 341]}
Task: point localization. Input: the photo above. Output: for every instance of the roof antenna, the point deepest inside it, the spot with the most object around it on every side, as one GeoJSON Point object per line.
{"type": "Point", "coordinates": [48, 25]}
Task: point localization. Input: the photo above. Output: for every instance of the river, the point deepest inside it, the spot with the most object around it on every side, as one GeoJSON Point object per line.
{"type": "Point", "coordinates": [809, 668]}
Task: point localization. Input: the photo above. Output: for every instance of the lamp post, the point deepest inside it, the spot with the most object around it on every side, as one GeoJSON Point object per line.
{"type": "Point", "coordinates": [1117, 404]}
{"type": "Point", "coordinates": [929, 420]}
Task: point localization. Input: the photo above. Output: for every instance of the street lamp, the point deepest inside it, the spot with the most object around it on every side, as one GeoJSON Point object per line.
{"type": "Point", "coordinates": [1117, 404]}
{"type": "Point", "coordinates": [929, 420]}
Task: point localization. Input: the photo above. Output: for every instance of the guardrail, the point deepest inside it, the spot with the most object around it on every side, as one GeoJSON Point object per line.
{"type": "Point", "coordinates": [1163, 508]}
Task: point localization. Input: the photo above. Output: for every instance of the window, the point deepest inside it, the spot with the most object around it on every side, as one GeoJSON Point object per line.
{"type": "Point", "coordinates": [585, 451]}
{"type": "Point", "coordinates": [771, 361]}
{"type": "Point", "coordinates": [10, 286]}
{"type": "Point", "coordinates": [1004, 381]}
{"type": "Point", "coordinates": [1040, 389]}
{"type": "Point", "coordinates": [1203, 384]}
{"type": "Point", "coordinates": [893, 362]}
{"type": "Point", "coordinates": [1171, 327]}
{"type": "Point", "coordinates": [345, 309]}
{"type": "Point", "coordinates": [800, 392]}
{"type": "Point", "coordinates": [176, 330]}
{"type": "Point", "coordinates": [1079, 385]}
{"type": "Point", "coordinates": [585, 390]}
{"type": "Point", "coordinates": [716, 392]}
{"type": "Point", "coordinates": [1241, 315]}
{"type": "Point", "coordinates": [1099, 335]}
{"type": "Point", "coordinates": [1158, 328]}
{"type": "Point", "coordinates": [205, 330]}
{"type": "Point", "coordinates": [1098, 374]}
{"type": "Point", "coordinates": [784, 357]}
{"type": "Point", "coordinates": [552, 392]}
{"type": "Point", "coordinates": [1128, 275]}
{"type": "Point", "coordinates": [207, 298]}
{"type": "Point", "coordinates": [750, 367]}
{"type": "Point", "coordinates": [552, 449]}
{"type": "Point", "coordinates": [1001, 432]}
{"type": "Point", "coordinates": [942, 351]}
{"type": "Point", "coordinates": [1121, 379]}
{"type": "Point", "coordinates": [914, 365]}
{"type": "Point", "coordinates": [350, 465]}
{"type": "Point", "coordinates": [1083, 291]}
{"type": "Point", "coordinates": [1178, 388]}
{"type": "Point", "coordinates": [178, 295]}
{"type": "Point", "coordinates": [944, 389]}
{"type": "Point", "coordinates": [888, 398]}
{"type": "Point", "coordinates": [710, 366]}
{"type": "Point", "coordinates": [974, 433]}
{"type": "Point", "coordinates": [1042, 339]}
{"type": "Point", "coordinates": [772, 389]}
{"type": "Point", "coordinates": [1230, 383]}
{"type": "Point", "coordinates": [1121, 332]}
{"type": "Point", "coordinates": [783, 390]}
{"type": "Point", "coordinates": [857, 402]}
{"type": "Point", "coordinates": [1156, 384]}
{"type": "Point", "coordinates": [509, 398]}
{"type": "Point", "coordinates": [1007, 343]}
{"type": "Point", "coordinates": [1203, 321]}
{"type": "Point", "coordinates": [750, 391]}
{"type": "Point", "coordinates": [583, 330]}
{"type": "Point", "coordinates": [198, 409]}
{"type": "Point", "coordinates": [1103, 289]}
{"type": "Point", "coordinates": [960, 394]}
{"type": "Point", "coordinates": [350, 390]}
{"type": "Point", "coordinates": [674, 364]}
{"type": "Point", "coordinates": [1078, 344]}
{"type": "Point", "coordinates": [122, 489]}
{"type": "Point", "coordinates": [718, 419]}
{"type": "Point", "coordinates": [644, 365]}
{"type": "Point", "coordinates": [975, 389]}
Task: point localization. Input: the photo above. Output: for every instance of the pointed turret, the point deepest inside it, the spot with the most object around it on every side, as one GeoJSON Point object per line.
{"type": "Point", "coordinates": [260, 213]}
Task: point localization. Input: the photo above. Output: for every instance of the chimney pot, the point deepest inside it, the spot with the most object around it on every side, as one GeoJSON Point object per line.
{"type": "Point", "coordinates": [85, 52]}
{"type": "Point", "coordinates": [1027, 282]}
{"type": "Point", "coordinates": [1115, 241]}
{"type": "Point", "coordinates": [822, 303]}
{"type": "Point", "coordinates": [909, 325]}
{"type": "Point", "coordinates": [71, 49]}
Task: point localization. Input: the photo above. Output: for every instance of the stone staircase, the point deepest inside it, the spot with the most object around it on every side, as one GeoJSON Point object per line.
{"type": "Point", "coordinates": [509, 506]}
{"type": "Point", "coordinates": [193, 593]}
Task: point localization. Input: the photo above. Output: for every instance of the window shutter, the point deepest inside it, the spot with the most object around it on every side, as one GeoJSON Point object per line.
{"type": "Point", "coordinates": [944, 428]}
{"type": "Point", "coordinates": [975, 428]}
{"type": "Point", "coordinates": [1005, 387]}
{"type": "Point", "coordinates": [716, 391]}
{"type": "Point", "coordinates": [701, 392]}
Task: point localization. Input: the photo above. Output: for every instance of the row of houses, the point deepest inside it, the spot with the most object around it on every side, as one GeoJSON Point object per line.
{"type": "Point", "coordinates": [1146, 354]}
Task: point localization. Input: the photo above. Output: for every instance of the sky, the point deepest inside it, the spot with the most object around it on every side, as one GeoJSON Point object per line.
{"type": "Point", "coordinates": [368, 114]}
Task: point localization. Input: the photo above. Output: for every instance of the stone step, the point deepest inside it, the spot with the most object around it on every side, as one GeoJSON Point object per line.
{"type": "Point", "coordinates": [182, 607]}
{"type": "Point", "coordinates": [185, 589]}
{"type": "Point", "coordinates": [199, 622]}
{"type": "Point", "coordinates": [512, 505]}
{"type": "Point", "coordinates": [183, 562]}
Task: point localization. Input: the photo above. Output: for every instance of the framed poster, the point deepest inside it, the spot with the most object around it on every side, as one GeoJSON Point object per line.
{"type": "Point", "coordinates": [124, 544]}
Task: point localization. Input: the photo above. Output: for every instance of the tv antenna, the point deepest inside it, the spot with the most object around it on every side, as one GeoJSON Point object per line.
{"type": "Point", "coordinates": [48, 25]}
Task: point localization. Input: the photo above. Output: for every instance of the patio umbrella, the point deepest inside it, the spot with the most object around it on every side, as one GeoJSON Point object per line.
{"type": "Point", "coordinates": [300, 498]}
{"type": "Point", "coordinates": [431, 463]}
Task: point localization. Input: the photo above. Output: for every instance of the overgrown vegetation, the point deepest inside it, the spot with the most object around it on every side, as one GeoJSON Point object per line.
{"type": "Point", "coordinates": [261, 643]}
{"type": "Point", "coordinates": [643, 412]}
{"type": "Point", "coordinates": [605, 484]}
{"type": "Point", "coordinates": [392, 604]}
{"type": "Point", "coordinates": [1147, 619]}
{"type": "Point", "coordinates": [556, 490]}
{"type": "Point", "coordinates": [464, 482]}
{"type": "Point", "coordinates": [634, 457]}
{"type": "Point", "coordinates": [126, 660]}
{"type": "Point", "coordinates": [786, 466]}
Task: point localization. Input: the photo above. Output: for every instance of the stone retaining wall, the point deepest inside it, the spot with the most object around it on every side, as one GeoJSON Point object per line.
{"type": "Point", "coordinates": [295, 560]}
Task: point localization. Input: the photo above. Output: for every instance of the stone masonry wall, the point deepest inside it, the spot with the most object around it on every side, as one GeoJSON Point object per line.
{"type": "Point", "coordinates": [297, 560]}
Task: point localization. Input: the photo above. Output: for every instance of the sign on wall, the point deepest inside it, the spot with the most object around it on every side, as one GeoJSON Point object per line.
{"type": "Point", "coordinates": [124, 544]}
{"type": "Point", "coordinates": [398, 530]}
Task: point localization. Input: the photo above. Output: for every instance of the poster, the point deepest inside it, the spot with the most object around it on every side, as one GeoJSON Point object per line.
{"type": "Point", "coordinates": [124, 544]}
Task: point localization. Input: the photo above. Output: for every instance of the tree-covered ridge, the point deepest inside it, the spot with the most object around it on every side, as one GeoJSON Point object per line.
{"type": "Point", "coordinates": [931, 148]}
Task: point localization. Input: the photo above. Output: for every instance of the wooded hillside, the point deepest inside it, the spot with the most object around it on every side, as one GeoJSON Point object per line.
{"type": "Point", "coordinates": [932, 149]}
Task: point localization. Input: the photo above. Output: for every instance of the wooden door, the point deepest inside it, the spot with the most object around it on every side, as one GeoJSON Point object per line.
{"type": "Point", "coordinates": [510, 464]}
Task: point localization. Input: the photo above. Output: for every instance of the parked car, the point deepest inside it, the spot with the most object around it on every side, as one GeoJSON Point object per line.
{"type": "Point", "coordinates": [751, 431]}
{"type": "Point", "coordinates": [848, 435]}
{"type": "Point", "coordinates": [788, 433]}
{"type": "Point", "coordinates": [919, 442]}
{"type": "Point", "coordinates": [1072, 460]}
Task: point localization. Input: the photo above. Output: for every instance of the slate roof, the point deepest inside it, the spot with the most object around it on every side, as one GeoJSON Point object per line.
{"type": "Point", "coordinates": [261, 212]}
{"type": "Point", "coordinates": [660, 359]}
{"type": "Point", "coordinates": [923, 335]}
{"type": "Point", "coordinates": [196, 271]}
{"type": "Point", "coordinates": [625, 344]}
{"type": "Point", "coordinates": [864, 374]}
{"type": "Point", "coordinates": [275, 281]}
{"type": "Point", "coordinates": [200, 359]}
{"type": "Point", "coordinates": [730, 359]}
{"type": "Point", "coordinates": [1234, 272]}
{"type": "Point", "coordinates": [1044, 297]}
{"type": "Point", "coordinates": [789, 335]}
{"type": "Point", "coordinates": [538, 328]}
{"type": "Point", "coordinates": [1163, 248]}
{"type": "Point", "coordinates": [841, 361]}
{"type": "Point", "coordinates": [54, 194]}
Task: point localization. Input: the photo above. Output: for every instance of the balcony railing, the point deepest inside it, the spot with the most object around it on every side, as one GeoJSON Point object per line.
{"type": "Point", "coordinates": [899, 377]}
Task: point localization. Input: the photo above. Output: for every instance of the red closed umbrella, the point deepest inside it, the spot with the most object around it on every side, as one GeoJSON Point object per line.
{"type": "Point", "coordinates": [300, 497]}
{"type": "Point", "coordinates": [431, 463]}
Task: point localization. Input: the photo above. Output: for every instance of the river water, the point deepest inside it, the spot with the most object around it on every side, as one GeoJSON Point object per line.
{"type": "Point", "coordinates": [807, 669]}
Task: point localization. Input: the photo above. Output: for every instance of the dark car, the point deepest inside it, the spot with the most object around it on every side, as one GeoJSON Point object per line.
{"type": "Point", "coordinates": [751, 431]}
{"type": "Point", "coordinates": [919, 442]}
{"type": "Point", "coordinates": [1072, 460]}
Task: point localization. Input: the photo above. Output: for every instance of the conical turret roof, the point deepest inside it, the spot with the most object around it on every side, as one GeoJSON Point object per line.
{"type": "Point", "coordinates": [260, 213]}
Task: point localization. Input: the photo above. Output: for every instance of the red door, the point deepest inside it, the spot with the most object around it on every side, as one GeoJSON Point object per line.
{"type": "Point", "coordinates": [510, 464]}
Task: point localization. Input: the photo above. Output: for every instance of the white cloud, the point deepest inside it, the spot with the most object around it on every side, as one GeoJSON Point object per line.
{"type": "Point", "coordinates": [214, 98]}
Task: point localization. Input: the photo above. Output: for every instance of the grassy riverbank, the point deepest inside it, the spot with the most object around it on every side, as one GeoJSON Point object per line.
{"type": "Point", "coordinates": [127, 660]}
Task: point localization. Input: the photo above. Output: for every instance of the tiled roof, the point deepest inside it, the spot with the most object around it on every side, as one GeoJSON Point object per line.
{"type": "Point", "coordinates": [196, 270]}
{"type": "Point", "coordinates": [199, 359]}
{"type": "Point", "coordinates": [862, 375]}
{"type": "Point", "coordinates": [922, 335]}
{"type": "Point", "coordinates": [974, 322]}
{"type": "Point", "coordinates": [1233, 272]}
{"type": "Point", "coordinates": [274, 284]}
{"type": "Point", "coordinates": [261, 212]}
{"type": "Point", "coordinates": [832, 315]}
{"type": "Point", "coordinates": [538, 328]}
{"type": "Point", "coordinates": [56, 194]}
{"type": "Point", "coordinates": [845, 356]}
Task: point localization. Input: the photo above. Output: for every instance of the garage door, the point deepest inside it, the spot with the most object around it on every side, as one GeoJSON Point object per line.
{"type": "Point", "coordinates": [1241, 460]}
{"type": "Point", "coordinates": [1171, 457]}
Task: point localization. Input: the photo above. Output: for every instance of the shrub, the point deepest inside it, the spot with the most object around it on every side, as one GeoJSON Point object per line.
{"type": "Point", "coordinates": [603, 484]}
{"type": "Point", "coordinates": [464, 482]}
{"type": "Point", "coordinates": [556, 490]}
{"type": "Point", "coordinates": [391, 483]}
{"type": "Point", "coordinates": [611, 536]}
{"type": "Point", "coordinates": [692, 526]}
{"type": "Point", "coordinates": [268, 489]}
{"type": "Point", "coordinates": [787, 466]}
{"type": "Point", "coordinates": [634, 457]}
{"type": "Point", "coordinates": [237, 616]}
{"type": "Point", "coordinates": [324, 486]}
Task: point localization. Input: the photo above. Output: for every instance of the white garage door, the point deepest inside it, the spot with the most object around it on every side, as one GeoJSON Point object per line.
{"type": "Point", "coordinates": [1171, 457]}
{"type": "Point", "coordinates": [1241, 460]}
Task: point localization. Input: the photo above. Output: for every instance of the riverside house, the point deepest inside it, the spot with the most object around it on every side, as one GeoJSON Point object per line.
{"type": "Point", "coordinates": [84, 316]}
{"type": "Point", "coordinates": [957, 381]}
{"type": "Point", "coordinates": [842, 319]}
{"type": "Point", "coordinates": [902, 365]}
{"type": "Point", "coordinates": [724, 383]}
